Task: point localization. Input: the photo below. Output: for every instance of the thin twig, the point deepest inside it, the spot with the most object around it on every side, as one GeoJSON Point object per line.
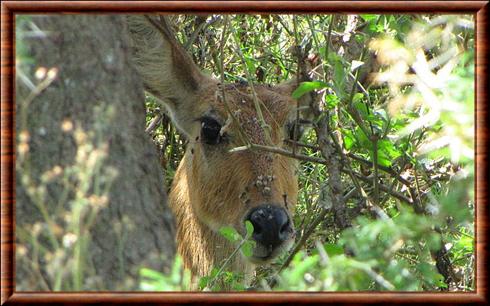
{"type": "Point", "coordinates": [382, 187]}
{"type": "Point", "coordinates": [264, 125]}
{"type": "Point", "coordinates": [194, 34]}
{"type": "Point", "coordinates": [154, 123]}
{"type": "Point", "coordinates": [334, 168]}
{"type": "Point", "coordinates": [378, 278]}
{"type": "Point", "coordinates": [298, 53]}
{"type": "Point", "coordinates": [374, 140]}
{"type": "Point", "coordinates": [200, 28]}
{"type": "Point", "coordinates": [320, 217]}
{"type": "Point", "coordinates": [320, 161]}
{"type": "Point", "coordinates": [350, 106]}
{"type": "Point", "coordinates": [327, 43]}
{"type": "Point", "coordinates": [284, 26]}
{"type": "Point", "coordinates": [417, 186]}
{"type": "Point", "coordinates": [284, 152]}
{"type": "Point", "coordinates": [224, 35]}
{"type": "Point", "coordinates": [355, 176]}
{"type": "Point", "coordinates": [33, 95]}
{"type": "Point", "coordinates": [227, 261]}
{"type": "Point", "coordinates": [388, 170]}
{"type": "Point", "coordinates": [313, 34]}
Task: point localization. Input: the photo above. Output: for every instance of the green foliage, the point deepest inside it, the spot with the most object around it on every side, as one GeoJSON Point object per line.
{"type": "Point", "coordinates": [219, 279]}
{"type": "Point", "coordinates": [403, 128]}
{"type": "Point", "coordinates": [230, 233]}
{"type": "Point", "coordinates": [178, 278]}
{"type": "Point", "coordinates": [246, 244]}
{"type": "Point", "coordinates": [379, 260]}
{"type": "Point", "coordinates": [403, 125]}
{"type": "Point", "coordinates": [222, 280]}
{"type": "Point", "coordinates": [61, 238]}
{"type": "Point", "coordinates": [306, 87]}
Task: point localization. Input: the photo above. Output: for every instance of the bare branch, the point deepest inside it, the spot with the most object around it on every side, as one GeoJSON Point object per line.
{"type": "Point", "coordinates": [154, 123]}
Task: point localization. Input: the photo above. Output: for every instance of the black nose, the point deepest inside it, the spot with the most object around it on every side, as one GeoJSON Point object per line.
{"type": "Point", "coordinates": [271, 225]}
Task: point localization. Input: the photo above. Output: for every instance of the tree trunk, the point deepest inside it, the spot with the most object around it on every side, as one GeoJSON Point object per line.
{"type": "Point", "coordinates": [108, 217]}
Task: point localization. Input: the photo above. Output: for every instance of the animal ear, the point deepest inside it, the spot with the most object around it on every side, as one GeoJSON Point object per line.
{"type": "Point", "coordinates": [305, 102]}
{"type": "Point", "coordinates": [167, 70]}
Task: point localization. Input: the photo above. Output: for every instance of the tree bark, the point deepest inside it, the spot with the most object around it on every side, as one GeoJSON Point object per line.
{"type": "Point", "coordinates": [98, 92]}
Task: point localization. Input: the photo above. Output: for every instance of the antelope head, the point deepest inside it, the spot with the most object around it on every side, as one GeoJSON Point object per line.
{"type": "Point", "coordinates": [217, 185]}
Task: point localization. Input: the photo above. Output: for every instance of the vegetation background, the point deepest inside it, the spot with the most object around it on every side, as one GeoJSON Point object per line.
{"type": "Point", "coordinates": [386, 169]}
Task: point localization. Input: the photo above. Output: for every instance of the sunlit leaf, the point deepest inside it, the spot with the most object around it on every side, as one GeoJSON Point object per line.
{"type": "Point", "coordinates": [230, 233]}
{"type": "Point", "coordinates": [203, 282]}
{"type": "Point", "coordinates": [333, 249]}
{"type": "Point", "coordinates": [331, 101]}
{"type": "Point", "coordinates": [306, 87]}
{"type": "Point", "coordinates": [247, 248]}
{"type": "Point", "coordinates": [250, 228]}
{"type": "Point", "coordinates": [369, 17]}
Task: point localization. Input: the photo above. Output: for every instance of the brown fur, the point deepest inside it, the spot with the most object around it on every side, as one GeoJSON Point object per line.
{"type": "Point", "coordinates": [213, 187]}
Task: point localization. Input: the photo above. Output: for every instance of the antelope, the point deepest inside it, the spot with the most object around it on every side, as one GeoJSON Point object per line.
{"type": "Point", "coordinates": [214, 187]}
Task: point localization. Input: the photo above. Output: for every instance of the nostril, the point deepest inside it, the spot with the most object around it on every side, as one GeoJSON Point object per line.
{"type": "Point", "coordinates": [285, 228]}
{"type": "Point", "coordinates": [256, 220]}
{"type": "Point", "coordinates": [272, 225]}
{"type": "Point", "coordinates": [257, 228]}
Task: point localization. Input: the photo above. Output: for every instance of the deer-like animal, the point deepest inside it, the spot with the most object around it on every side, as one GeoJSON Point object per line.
{"type": "Point", "coordinates": [214, 187]}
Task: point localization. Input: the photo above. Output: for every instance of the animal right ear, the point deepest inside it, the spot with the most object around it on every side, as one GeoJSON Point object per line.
{"type": "Point", "coordinates": [167, 70]}
{"type": "Point", "coordinates": [306, 102]}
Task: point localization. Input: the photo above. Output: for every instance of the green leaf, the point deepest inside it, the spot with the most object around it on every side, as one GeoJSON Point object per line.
{"type": "Point", "coordinates": [214, 272]}
{"type": "Point", "coordinates": [439, 281]}
{"type": "Point", "coordinates": [250, 62]}
{"type": "Point", "coordinates": [250, 228]}
{"type": "Point", "coordinates": [387, 150]}
{"type": "Point", "coordinates": [361, 107]}
{"type": "Point", "coordinates": [230, 233]}
{"type": "Point", "coordinates": [379, 28]}
{"type": "Point", "coordinates": [349, 139]}
{"type": "Point", "coordinates": [369, 17]}
{"type": "Point", "coordinates": [151, 274]}
{"type": "Point", "coordinates": [333, 249]}
{"type": "Point", "coordinates": [303, 266]}
{"type": "Point", "coordinates": [358, 98]}
{"type": "Point", "coordinates": [248, 247]}
{"type": "Point", "coordinates": [305, 87]}
{"type": "Point", "coordinates": [433, 241]}
{"type": "Point", "coordinates": [331, 101]}
{"type": "Point", "coordinates": [426, 269]}
{"type": "Point", "coordinates": [430, 274]}
{"type": "Point", "coordinates": [466, 244]}
{"type": "Point", "coordinates": [203, 282]}
{"type": "Point", "coordinates": [339, 75]}
{"type": "Point", "coordinates": [176, 270]}
{"type": "Point", "coordinates": [383, 160]}
{"type": "Point", "coordinates": [363, 140]}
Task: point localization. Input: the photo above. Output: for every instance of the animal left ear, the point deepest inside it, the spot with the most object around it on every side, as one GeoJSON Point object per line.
{"type": "Point", "coordinates": [166, 69]}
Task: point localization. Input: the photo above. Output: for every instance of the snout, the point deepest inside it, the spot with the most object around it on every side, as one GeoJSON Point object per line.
{"type": "Point", "coordinates": [273, 231]}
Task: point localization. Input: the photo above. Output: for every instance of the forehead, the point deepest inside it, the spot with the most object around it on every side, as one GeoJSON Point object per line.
{"type": "Point", "coordinates": [239, 99]}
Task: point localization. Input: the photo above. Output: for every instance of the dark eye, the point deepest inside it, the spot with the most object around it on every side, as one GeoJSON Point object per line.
{"type": "Point", "coordinates": [210, 130]}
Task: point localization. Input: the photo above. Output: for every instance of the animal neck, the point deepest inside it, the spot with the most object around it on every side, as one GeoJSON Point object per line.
{"type": "Point", "coordinates": [200, 247]}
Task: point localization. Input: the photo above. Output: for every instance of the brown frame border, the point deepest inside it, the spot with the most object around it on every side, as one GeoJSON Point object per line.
{"type": "Point", "coordinates": [10, 8]}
